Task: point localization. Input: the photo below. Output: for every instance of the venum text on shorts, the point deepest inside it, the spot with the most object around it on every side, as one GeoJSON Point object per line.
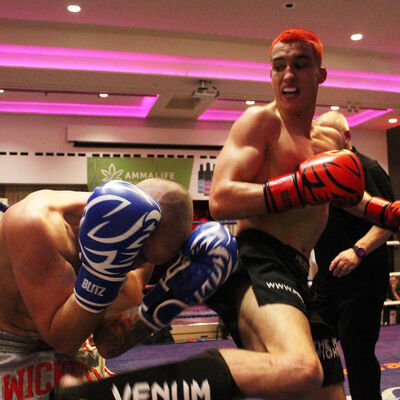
{"type": "Point", "coordinates": [285, 287]}
{"type": "Point", "coordinates": [167, 391]}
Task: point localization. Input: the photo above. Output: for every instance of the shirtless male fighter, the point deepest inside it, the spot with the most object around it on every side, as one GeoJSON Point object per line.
{"type": "Point", "coordinates": [276, 174]}
{"type": "Point", "coordinates": [272, 179]}
{"type": "Point", "coordinates": [67, 258]}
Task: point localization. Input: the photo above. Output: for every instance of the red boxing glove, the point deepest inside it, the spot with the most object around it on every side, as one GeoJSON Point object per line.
{"type": "Point", "coordinates": [334, 176]}
{"type": "Point", "coordinates": [383, 213]}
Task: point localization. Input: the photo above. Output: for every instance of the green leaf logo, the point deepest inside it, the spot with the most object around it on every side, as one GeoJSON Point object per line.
{"type": "Point", "coordinates": [112, 173]}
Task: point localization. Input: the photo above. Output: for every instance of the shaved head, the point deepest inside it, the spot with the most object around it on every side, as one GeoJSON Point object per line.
{"type": "Point", "coordinates": [336, 120]}
{"type": "Point", "coordinates": [176, 219]}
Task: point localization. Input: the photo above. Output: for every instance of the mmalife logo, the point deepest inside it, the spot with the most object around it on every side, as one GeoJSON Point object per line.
{"type": "Point", "coordinates": [143, 390]}
{"type": "Point", "coordinates": [112, 173]}
{"type": "Point", "coordinates": [134, 170]}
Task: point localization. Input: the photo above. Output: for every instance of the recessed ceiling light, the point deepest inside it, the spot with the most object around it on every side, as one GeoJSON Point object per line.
{"type": "Point", "coordinates": [74, 8]}
{"type": "Point", "coordinates": [289, 4]}
{"type": "Point", "coordinates": [356, 36]}
{"type": "Point", "coordinates": [103, 95]}
{"type": "Point", "coordinates": [392, 120]}
{"type": "Point", "coordinates": [250, 102]}
{"type": "Point", "coordinates": [335, 108]}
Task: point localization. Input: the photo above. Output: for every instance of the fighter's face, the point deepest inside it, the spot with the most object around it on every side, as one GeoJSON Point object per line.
{"type": "Point", "coordinates": [295, 76]}
{"type": "Point", "coordinates": [159, 248]}
{"type": "Point", "coordinates": [165, 242]}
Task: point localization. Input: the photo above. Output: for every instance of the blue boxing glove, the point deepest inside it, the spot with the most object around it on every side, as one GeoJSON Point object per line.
{"type": "Point", "coordinates": [117, 220]}
{"type": "Point", "coordinates": [208, 259]}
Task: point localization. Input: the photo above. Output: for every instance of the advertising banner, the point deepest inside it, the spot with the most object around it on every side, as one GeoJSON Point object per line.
{"type": "Point", "coordinates": [194, 174]}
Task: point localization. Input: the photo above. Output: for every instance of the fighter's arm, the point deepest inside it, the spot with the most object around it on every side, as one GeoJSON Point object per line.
{"type": "Point", "coordinates": [45, 278]}
{"type": "Point", "coordinates": [132, 290]}
{"type": "Point", "coordinates": [239, 163]}
{"type": "Point", "coordinates": [65, 306]}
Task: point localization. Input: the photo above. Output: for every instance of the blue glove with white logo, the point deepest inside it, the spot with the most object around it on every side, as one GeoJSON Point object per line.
{"type": "Point", "coordinates": [117, 220]}
{"type": "Point", "coordinates": [208, 259]}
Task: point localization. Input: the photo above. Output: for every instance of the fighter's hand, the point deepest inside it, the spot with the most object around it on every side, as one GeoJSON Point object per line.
{"type": "Point", "coordinates": [209, 257]}
{"type": "Point", "coordinates": [117, 334]}
{"type": "Point", "coordinates": [334, 176]}
{"type": "Point", "coordinates": [117, 220]}
{"type": "Point", "coordinates": [344, 263]}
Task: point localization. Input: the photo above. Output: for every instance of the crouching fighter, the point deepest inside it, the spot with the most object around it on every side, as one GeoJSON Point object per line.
{"type": "Point", "coordinates": [67, 258]}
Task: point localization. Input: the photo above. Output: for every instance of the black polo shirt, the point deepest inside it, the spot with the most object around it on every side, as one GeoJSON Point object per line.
{"type": "Point", "coordinates": [342, 232]}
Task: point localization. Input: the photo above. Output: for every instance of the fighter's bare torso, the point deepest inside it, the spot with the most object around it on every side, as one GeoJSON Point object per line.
{"type": "Point", "coordinates": [55, 213]}
{"type": "Point", "coordinates": [299, 228]}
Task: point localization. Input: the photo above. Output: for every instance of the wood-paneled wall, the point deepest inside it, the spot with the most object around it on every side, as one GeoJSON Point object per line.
{"type": "Point", "coordinates": [14, 193]}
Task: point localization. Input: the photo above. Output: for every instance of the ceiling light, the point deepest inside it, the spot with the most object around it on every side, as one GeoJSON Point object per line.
{"type": "Point", "coordinates": [250, 102]}
{"type": "Point", "coordinates": [335, 108]}
{"type": "Point", "coordinates": [392, 120]}
{"type": "Point", "coordinates": [356, 36]}
{"type": "Point", "coordinates": [1, 90]}
{"type": "Point", "coordinates": [74, 8]}
{"type": "Point", "coordinates": [103, 95]}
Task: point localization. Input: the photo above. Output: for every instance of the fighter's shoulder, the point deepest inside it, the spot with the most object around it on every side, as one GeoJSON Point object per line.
{"type": "Point", "coordinates": [260, 119]}
{"type": "Point", "coordinates": [38, 214]}
{"type": "Point", "coordinates": [263, 114]}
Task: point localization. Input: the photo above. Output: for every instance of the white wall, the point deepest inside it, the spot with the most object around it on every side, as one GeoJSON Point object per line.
{"type": "Point", "coordinates": [33, 134]}
{"type": "Point", "coordinates": [35, 149]}
{"type": "Point", "coordinates": [372, 144]}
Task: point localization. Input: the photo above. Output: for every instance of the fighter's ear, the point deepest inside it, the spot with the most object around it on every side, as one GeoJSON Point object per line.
{"type": "Point", "coordinates": [347, 134]}
{"type": "Point", "coordinates": [322, 75]}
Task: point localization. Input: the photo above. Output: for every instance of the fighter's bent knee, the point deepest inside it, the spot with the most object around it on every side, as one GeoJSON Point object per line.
{"type": "Point", "coordinates": [307, 376]}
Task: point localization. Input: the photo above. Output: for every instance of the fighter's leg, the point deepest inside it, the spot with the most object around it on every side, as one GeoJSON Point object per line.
{"type": "Point", "coordinates": [280, 361]}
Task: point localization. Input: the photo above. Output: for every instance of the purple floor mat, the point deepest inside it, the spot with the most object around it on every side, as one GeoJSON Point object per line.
{"type": "Point", "coordinates": [388, 353]}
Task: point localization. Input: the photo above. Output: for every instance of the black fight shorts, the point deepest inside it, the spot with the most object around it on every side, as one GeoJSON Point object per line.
{"type": "Point", "coordinates": [278, 274]}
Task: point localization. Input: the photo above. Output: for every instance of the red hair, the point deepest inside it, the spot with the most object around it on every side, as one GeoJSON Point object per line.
{"type": "Point", "coordinates": [300, 35]}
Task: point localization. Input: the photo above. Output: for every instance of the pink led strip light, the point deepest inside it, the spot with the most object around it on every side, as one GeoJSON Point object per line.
{"type": "Point", "coordinates": [163, 64]}
{"type": "Point", "coordinates": [80, 109]}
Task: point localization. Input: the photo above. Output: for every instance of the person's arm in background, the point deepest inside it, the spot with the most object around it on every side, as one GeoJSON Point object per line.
{"type": "Point", "coordinates": [378, 182]}
{"type": "Point", "coordinates": [347, 260]}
